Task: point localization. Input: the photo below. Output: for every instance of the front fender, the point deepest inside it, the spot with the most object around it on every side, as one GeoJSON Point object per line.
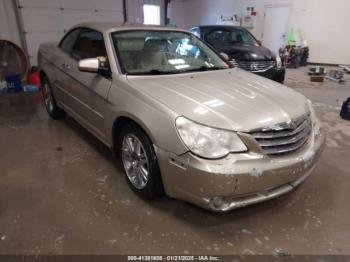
{"type": "Point", "coordinates": [156, 119]}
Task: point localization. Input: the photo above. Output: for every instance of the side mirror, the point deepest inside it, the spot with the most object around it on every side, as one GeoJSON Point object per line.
{"type": "Point", "coordinates": [91, 65]}
{"type": "Point", "coordinates": [95, 65]}
{"type": "Point", "coordinates": [259, 43]}
{"type": "Point", "coordinates": [225, 56]}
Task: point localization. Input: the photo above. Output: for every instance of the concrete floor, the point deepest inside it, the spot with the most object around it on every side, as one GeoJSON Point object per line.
{"type": "Point", "coordinates": [61, 192]}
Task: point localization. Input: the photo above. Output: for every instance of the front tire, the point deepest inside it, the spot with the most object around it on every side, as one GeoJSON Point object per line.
{"type": "Point", "coordinates": [50, 102]}
{"type": "Point", "coordinates": [139, 162]}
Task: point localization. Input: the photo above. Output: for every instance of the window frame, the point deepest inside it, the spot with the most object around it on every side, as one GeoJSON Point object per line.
{"type": "Point", "coordinates": [81, 29]}
{"type": "Point", "coordinates": [67, 35]}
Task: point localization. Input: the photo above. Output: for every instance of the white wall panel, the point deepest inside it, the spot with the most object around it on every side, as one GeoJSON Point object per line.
{"type": "Point", "coordinates": [207, 12]}
{"type": "Point", "coordinates": [42, 19]}
{"type": "Point", "coordinates": [48, 20]}
{"type": "Point", "coordinates": [40, 3]}
{"type": "Point", "coordinates": [4, 29]}
{"type": "Point", "coordinates": [111, 5]}
{"type": "Point", "coordinates": [177, 13]}
{"type": "Point", "coordinates": [9, 29]}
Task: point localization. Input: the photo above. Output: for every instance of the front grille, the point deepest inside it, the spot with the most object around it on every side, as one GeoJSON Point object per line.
{"type": "Point", "coordinates": [253, 66]}
{"type": "Point", "coordinates": [284, 138]}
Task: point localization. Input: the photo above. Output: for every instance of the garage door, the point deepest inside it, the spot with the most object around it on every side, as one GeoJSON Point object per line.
{"type": "Point", "coordinates": [45, 21]}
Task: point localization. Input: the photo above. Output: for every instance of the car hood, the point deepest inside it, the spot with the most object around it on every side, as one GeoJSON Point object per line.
{"type": "Point", "coordinates": [228, 99]}
{"type": "Point", "coordinates": [248, 52]}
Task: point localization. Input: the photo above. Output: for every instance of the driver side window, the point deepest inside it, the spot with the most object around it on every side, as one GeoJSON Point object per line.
{"type": "Point", "coordinates": [68, 41]}
{"type": "Point", "coordinates": [89, 44]}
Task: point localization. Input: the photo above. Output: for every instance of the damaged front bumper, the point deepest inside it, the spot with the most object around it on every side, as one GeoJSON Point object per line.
{"type": "Point", "coordinates": [222, 204]}
{"type": "Point", "coordinates": [239, 179]}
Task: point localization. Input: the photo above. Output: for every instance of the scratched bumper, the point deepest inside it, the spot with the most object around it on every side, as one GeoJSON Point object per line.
{"type": "Point", "coordinates": [239, 179]}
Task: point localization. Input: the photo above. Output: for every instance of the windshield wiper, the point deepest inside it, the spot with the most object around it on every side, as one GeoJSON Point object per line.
{"type": "Point", "coordinates": [153, 72]}
{"type": "Point", "coordinates": [160, 72]}
{"type": "Point", "coordinates": [203, 68]}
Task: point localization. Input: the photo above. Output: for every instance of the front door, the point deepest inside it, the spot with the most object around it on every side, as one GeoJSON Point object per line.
{"type": "Point", "coordinates": [276, 27]}
{"type": "Point", "coordinates": [86, 92]}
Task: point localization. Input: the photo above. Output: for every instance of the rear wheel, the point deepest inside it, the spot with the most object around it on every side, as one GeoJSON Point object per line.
{"type": "Point", "coordinates": [139, 162]}
{"type": "Point", "coordinates": [50, 102]}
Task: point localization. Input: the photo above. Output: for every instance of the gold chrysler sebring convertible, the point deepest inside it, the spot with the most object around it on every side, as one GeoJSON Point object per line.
{"type": "Point", "coordinates": [182, 121]}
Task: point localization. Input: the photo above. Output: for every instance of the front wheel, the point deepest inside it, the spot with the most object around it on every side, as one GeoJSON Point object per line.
{"type": "Point", "coordinates": [50, 102]}
{"type": "Point", "coordinates": [139, 162]}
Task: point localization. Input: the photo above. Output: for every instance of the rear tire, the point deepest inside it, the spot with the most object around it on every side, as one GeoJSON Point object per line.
{"type": "Point", "coordinates": [50, 102]}
{"type": "Point", "coordinates": [139, 162]}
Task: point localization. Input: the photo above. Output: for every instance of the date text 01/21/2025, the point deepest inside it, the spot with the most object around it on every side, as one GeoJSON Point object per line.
{"type": "Point", "coordinates": [173, 258]}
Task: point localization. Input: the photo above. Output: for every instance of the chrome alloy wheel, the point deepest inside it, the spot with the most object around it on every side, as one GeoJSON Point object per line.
{"type": "Point", "coordinates": [135, 161]}
{"type": "Point", "coordinates": [48, 97]}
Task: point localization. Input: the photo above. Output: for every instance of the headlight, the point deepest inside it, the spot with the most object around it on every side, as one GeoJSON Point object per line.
{"type": "Point", "coordinates": [278, 62]}
{"type": "Point", "coordinates": [208, 142]}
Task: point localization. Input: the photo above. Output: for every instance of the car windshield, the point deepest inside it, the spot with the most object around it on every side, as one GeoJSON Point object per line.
{"type": "Point", "coordinates": [230, 36]}
{"type": "Point", "coordinates": [154, 52]}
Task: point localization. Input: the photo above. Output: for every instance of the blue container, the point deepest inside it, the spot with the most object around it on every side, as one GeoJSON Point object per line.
{"type": "Point", "coordinates": [14, 84]}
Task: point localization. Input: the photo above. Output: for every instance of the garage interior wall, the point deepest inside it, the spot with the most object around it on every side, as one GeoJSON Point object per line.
{"type": "Point", "coordinates": [176, 13]}
{"type": "Point", "coordinates": [321, 23]}
{"type": "Point", "coordinates": [207, 12]}
{"type": "Point", "coordinates": [46, 21]}
{"type": "Point", "coordinates": [9, 29]}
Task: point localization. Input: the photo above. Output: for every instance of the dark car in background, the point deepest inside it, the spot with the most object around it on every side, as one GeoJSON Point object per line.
{"type": "Point", "coordinates": [243, 49]}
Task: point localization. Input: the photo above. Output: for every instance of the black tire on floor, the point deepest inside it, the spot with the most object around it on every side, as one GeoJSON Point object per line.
{"type": "Point", "coordinates": [154, 186]}
{"type": "Point", "coordinates": [54, 110]}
